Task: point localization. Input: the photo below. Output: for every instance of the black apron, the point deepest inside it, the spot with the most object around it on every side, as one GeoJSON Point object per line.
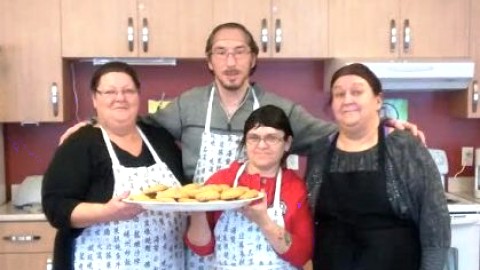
{"type": "Point", "coordinates": [355, 226]}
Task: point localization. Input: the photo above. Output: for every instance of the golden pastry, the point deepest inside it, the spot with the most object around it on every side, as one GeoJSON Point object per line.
{"type": "Point", "coordinates": [174, 192]}
{"type": "Point", "coordinates": [250, 194]}
{"type": "Point", "coordinates": [191, 186]}
{"type": "Point", "coordinates": [214, 187]}
{"type": "Point", "coordinates": [207, 195]}
{"type": "Point", "coordinates": [154, 189]}
{"type": "Point", "coordinates": [192, 192]}
{"type": "Point", "coordinates": [233, 193]}
{"type": "Point", "coordinates": [139, 197]}
{"type": "Point", "coordinates": [224, 187]}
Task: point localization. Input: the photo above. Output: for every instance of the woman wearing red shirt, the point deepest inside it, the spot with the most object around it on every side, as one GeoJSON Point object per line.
{"type": "Point", "coordinates": [274, 233]}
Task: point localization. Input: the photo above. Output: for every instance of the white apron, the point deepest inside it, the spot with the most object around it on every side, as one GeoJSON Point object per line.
{"type": "Point", "coordinates": [151, 240]}
{"type": "Point", "coordinates": [217, 151]}
{"type": "Point", "coordinates": [239, 242]}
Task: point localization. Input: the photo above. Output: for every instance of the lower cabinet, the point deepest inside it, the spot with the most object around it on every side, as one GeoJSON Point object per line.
{"type": "Point", "coordinates": [26, 245]}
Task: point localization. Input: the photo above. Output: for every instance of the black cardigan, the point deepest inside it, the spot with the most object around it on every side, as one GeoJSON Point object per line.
{"type": "Point", "coordinates": [81, 171]}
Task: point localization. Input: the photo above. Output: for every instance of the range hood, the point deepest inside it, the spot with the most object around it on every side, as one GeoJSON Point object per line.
{"type": "Point", "coordinates": [413, 76]}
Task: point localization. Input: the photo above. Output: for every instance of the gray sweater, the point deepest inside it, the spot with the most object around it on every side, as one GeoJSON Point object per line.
{"type": "Point", "coordinates": [413, 189]}
{"type": "Point", "coordinates": [185, 119]}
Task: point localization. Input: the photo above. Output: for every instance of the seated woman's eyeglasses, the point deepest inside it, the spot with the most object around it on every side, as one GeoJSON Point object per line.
{"type": "Point", "coordinates": [111, 93]}
{"type": "Point", "coordinates": [268, 139]}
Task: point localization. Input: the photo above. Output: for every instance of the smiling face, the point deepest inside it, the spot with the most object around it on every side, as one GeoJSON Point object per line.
{"type": "Point", "coordinates": [231, 67]}
{"type": "Point", "coordinates": [354, 103]}
{"type": "Point", "coordinates": [116, 100]}
{"type": "Point", "coordinates": [265, 147]}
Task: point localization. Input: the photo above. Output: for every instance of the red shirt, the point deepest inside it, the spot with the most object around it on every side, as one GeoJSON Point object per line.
{"type": "Point", "coordinates": [298, 218]}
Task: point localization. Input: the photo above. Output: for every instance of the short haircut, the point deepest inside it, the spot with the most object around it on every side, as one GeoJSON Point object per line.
{"type": "Point", "coordinates": [113, 67]}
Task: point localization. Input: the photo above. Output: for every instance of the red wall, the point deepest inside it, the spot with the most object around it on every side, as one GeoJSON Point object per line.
{"type": "Point", "coordinates": [29, 148]}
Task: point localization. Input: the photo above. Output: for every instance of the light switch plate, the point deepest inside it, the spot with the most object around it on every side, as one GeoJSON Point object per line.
{"type": "Point", "coordinates": [292, 162]}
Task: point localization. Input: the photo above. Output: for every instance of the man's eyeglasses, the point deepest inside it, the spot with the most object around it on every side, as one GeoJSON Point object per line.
{"type": "Point", "coordinates": [268, 139]}
{"type": "Point", "coordinates": [237, 53]}
{"type": "Point", "coordinates": [113, 93]}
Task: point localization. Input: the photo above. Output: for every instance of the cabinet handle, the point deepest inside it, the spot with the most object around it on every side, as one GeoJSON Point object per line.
{"type": "Point", "coordinates": [22, 238]}
{"type": "Point", "coordinates": [406, 36]}
{"type": "Point", "coordinates": [278, 35]}
{"type": "Point", "coordinates": [54, 98]}
{"type": "Point", "coordinates": [393, 36]}
{"type": "Point", "coordinates": [130, 34]}
{"type": "Point", "coordinates": [49, 265]}
{"type": "Point", "coordinates": [475, 96]}
{"type": "Point", "coordinates": [145, 35]}
{"type": "Point", "coordinates": [264, 35]}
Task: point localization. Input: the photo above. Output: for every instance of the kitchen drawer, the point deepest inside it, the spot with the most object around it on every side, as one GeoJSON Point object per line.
{"type": "Point", "coordinates": [36, 261]}
{"type": "Point", "coordinates": [26, 237]}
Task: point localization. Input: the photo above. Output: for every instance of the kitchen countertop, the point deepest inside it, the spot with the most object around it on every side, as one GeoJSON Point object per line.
{"type": "Point", "coordinates": [9, 213]}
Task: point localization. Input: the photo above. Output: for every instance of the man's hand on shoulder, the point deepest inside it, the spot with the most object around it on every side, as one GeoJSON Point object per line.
{"type": "Point", "coordinates": [72, 130]}
{"type": "Point", "coordinates": [404, 125]}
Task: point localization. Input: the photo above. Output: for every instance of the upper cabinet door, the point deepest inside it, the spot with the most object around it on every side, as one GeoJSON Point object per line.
{"type": "Point", "coordinates": [31, 69]}
{"type": "Point", "coordinates": [438, 28]}
{"type": "Point", "coordinates": [257, 20]}
{"type": "Point", "coordinates": [399, 28]}
{"type": "Point", "coordinates": [299, 30]}
{"type": "Point", "coordinates": [176, 28]}
{"type": "Point", "coordinates": [135, 28]}
{"type": "Point", "coordinates": [282, 28]}
{"type": "Point", "coordinates": [92, 28]}
{"type": "Point", "coordinates": [363, 28]}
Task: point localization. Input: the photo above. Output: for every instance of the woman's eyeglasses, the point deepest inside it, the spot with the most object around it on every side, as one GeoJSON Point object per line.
{"type": "Point", "coordinates": [268, 139]}
{"type": "Point", "coordinates": [113, 93]}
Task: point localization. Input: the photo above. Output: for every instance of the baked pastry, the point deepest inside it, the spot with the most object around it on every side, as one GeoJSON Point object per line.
{"type": "Point", "coordinates": [233, 193]}
{"type": "Point", "coordinates": [173, 192]}
{"type": "Point", "coordinates": [250, 194]}
{"type": "Point", "coordinates": [208, 195]}
{"type": "Point", "coordinates": [188, 200]}
{"type": "Point", "coordinates": [154, 189]}
{"type": "Point", "coordinates": [140, 197]}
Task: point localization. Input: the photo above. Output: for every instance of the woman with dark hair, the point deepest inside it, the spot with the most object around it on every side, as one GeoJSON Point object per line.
{"type": "Point", "coordinates": [275, 233]}
{"type": "Point", "coordinates": [378, 202]}
{"type": "Point", "coordinates": [97, 167]}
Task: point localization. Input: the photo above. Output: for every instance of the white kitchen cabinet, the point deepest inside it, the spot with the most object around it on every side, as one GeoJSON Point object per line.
{"type": "Point", "coordinates": [282, 28]}
{"type": "Point", "coordinates": [32, 87]}
{"type": "Point", "coordinates": [135, 28]}
{"type": "Point", "coordinates": [26, 245]}
{"type": "Point", "coordinates": [392, 29]}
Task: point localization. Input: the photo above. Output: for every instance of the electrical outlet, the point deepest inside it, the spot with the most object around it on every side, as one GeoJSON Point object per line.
{"type": "Point", "coordinates": [467, 156]}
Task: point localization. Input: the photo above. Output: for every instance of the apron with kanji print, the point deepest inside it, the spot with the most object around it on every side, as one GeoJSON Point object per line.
{"type": "Point", "coordinates": [239, 242]}
{"type": "Point", "coordinates": [151, 240]}
{"type": "Point", "coordinates": [217, 151]}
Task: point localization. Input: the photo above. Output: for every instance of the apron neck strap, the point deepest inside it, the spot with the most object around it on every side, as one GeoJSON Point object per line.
{"type": "Point", "coordinates": [278, 182]}
{"type": "Point", "coordinates": [113, 155]}
{"type": "Point", "coordinates": [208, 119]}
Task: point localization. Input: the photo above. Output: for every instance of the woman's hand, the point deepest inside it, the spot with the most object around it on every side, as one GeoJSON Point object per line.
{"type": "Point", "coordinates": [198, 231]}
{"type": "Point", "coordinates": [257, 212]}
{"type": "Point", "coordinates": [86, 214]}
{"type": "Point", "coordinates": [277, 236]}
{"type": "Point", "coordinates": [116, 209]}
